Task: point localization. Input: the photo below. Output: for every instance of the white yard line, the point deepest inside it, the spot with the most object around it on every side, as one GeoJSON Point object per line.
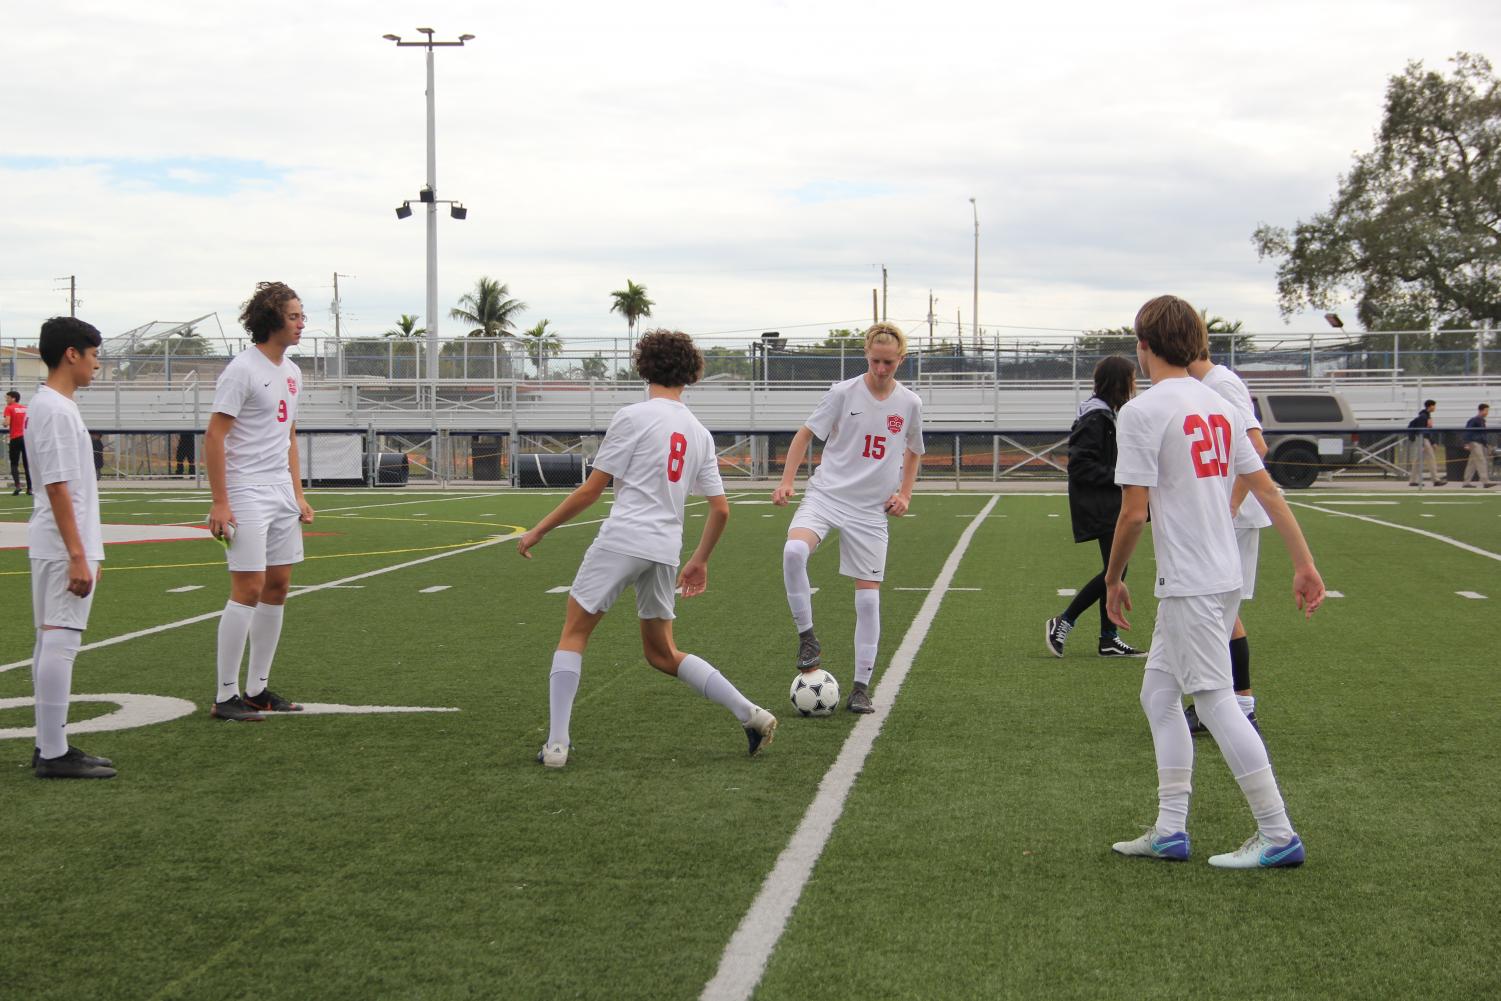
{"type": "Point", "coordinates": [744, 959]}
{"type": "Point", "coordinates": [1405, 528]}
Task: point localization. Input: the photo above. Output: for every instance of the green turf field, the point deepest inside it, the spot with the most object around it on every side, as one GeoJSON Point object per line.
{"type": "Point", "coordinates": [426, 855]}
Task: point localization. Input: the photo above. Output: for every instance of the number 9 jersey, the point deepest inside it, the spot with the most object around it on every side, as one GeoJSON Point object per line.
{"type": "Point", "coordinates": [1186, 443]}
{"type": "Point", "coordinates": [262, 398]}
{"type": "Point", "coordinates": [658, 453]}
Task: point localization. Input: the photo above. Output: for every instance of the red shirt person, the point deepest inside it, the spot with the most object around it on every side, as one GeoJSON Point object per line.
{"type": "Point", "coordinates": [15, 420]}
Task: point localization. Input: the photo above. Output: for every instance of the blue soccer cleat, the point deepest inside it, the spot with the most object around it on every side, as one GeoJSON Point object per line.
{"type": "Point", "coordinates": [1259, 853]}
{"type": "Point", "coordinates": [1169, 848]}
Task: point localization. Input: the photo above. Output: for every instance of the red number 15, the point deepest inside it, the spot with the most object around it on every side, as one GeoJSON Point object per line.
{"type": "Point", "coordinates": [1210, 447]}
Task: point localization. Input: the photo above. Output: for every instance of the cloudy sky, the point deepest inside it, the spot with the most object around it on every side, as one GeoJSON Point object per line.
{"type": "Point", "coordinates": [752, 164]}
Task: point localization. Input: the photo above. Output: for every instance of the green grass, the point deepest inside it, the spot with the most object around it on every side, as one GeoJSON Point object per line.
{"type": "Point", "coordinates": [427, 856]}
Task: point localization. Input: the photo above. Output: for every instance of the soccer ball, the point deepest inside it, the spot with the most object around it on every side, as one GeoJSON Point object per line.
{"type": "Point", "coordinates": [815, 693]}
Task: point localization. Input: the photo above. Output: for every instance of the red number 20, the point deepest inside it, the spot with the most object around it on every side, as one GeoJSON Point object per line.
{"type": "Point", "coordinates": [677, 451]}
{"type": "Point", "coordinates": [281, 412]}
{"type": "Point", "coordinates": [1211, 444]}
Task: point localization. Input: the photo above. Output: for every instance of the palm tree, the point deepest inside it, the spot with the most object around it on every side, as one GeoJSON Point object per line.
{"type": "Point", "coordinates": [631, 302]}
{"type": "Point", "coordinates": [406, 327]}
{"type": "Point", "coordinates": [541, 344]}
{"type": "Point", "coordinates": [489, 307]}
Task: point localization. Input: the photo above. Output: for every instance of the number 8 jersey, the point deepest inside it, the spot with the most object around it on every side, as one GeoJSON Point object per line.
{"type": "Point", "coordinates": [658, 453]}
{"type": "Point", "coordinates": [865, 440]}
{"type": "Point", "coordinates": [1186, 443]}
{"type": "Point", "coordinates": [262, 398]}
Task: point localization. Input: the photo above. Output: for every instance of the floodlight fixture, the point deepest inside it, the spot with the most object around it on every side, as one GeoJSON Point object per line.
{"type": "Point", "coordinates": [466, 38]}
{"type": "Point", "coordinates": [426, 194]}
{"type": "Point", "coordinates": [458, 211]}
{"type": "Point", "coordinates": [392, 38]}
{"type": "Point", "coordinates": [1334, 321]}
{"type": "Point", "coordinates": [426, 31]}
{"type": "Point", "coordinates": [404, 210]}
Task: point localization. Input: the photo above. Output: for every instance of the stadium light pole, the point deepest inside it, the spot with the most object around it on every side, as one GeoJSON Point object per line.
{"type": "Point", "coordinates": [974, 313]}
{"type": "Point", "coordinates": [429, 197]}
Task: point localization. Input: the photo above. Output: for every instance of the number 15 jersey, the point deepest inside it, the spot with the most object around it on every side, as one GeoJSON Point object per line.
{"type": "Point", "coordinates": [1186, 443]}
{"type": "Point", "coordinates": [865, 441]}
{"type": "Point", "coordinates": [658, 453]}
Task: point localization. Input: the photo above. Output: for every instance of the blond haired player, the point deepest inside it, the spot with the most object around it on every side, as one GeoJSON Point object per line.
{"type": "Point", "coordinates": [871, 427]}
{"type": "Point", "coordinates": [1181, 448]}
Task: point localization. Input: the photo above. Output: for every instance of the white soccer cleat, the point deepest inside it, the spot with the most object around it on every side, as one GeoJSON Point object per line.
{"type": "Point", "coordinates": [760, 730]}
{"type": "Point", "coordinates": [553, 755]}
{"type": "Point", "coordinates": [1260, 853]}
{"type": "Point", "coordinates": [1172, 848]}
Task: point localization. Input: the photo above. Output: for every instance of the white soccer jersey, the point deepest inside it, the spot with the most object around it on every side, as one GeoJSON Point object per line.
{"type": "Point", "coordinates": [1186, 443]}
{"type": "Point", "coordinates": [658, 453]}
{"type": "Point", "coordinates": [1231, 387]}
{"type": "Point", "coordinates": [58, 449]}
{"type": "Point", "coordinates": [865, 441]}
{"type": "Point", "coordinates": [262, 398]}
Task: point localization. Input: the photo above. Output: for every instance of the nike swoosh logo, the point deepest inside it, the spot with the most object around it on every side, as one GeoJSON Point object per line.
{"type": "Point", "coordinates": [267, 385]}
{"type": "Point", "coordinates": [1273, 858]}
{"type": "Point", "coordinates": [226, 684]}
{"type": "Point", "coordinates": [1162, 846]}
{"type": "Point", "coordinates": [856, 413]}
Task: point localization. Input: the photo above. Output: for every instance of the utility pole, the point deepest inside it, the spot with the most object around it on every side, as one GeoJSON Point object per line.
{"type": "Point", "coordinates": [975, 312]}
{"type": "Point", "coordinates": [338, 336]}
{"type": "Point", "coordinates": [883, 292]}
{"type": "Point", "coordinates": [959, 329]}
{"type": "Point", "coordinates": [72, 281]}
{"type": "Point", "coordinates": [875, 307]}
{"type": "Point", "coordinates": [930, 319]}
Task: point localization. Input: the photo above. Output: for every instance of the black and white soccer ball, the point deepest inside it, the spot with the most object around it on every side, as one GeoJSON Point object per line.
{"type": "Point", "coordinates": [815, 693]}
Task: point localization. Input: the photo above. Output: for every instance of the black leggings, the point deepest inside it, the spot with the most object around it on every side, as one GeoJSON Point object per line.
{"type": "Point", "coordinates": [18, 456]}
{"type": "Point", "coordinates": [1095, 591]}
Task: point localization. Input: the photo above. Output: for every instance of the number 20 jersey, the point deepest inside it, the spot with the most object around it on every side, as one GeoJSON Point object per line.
{"type": "Point", "coordinates": [658, 453]}
{"type": "Point", "coordinates": [1186, 443]}
{"type": "Point", "coordinates": [865, 441]}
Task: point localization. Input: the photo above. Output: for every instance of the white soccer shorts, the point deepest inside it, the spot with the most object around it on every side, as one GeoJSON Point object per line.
{"type": "Point", "coordinates": [1249, 541]}
{"type": "Point", "coordinates": [267, 531]}
{"type": "Point", "coordinates": [603, 575]}
{"type": "Point", "coordinates": [862, 544]}
{"type": "Point", "coordinates": [1191, 640]}
{"type": "Point", "coordinates": [52, 604]}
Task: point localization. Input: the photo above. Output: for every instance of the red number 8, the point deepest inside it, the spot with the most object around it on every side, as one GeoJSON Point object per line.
{"type": "Point", "coordinates": [677, 451]}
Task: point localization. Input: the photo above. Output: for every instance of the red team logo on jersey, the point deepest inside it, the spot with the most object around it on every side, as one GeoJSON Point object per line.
{"type": "Point", "coordinates": [894, 423]}
{"type": "Point", "coordinates": [291, 385]}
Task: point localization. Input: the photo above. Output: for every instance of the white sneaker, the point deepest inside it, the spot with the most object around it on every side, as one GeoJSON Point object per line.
{"type": "Point", "coordinates": [1259, 853]}
{"type": "Point", "coordinates": [760, 730]}
{"type": "Point", "coordinates": [553, 755]}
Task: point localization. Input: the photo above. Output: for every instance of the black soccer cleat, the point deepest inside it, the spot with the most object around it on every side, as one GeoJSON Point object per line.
{"type": "Point", "coordinates": [235, 710]}
{"type": "Point", "coordinates": [760, 730]}
{"type": "Point", "coordinates": [809, 651]}
{"type": "Point", "coordinates": [859, 700]}
{"type": "Point", "coordinates": [1114, 646]}
{"type": "Point", "coordinates": [36, 755]}
{"type": "Point", "coordinates": [1195, 725]}
{"type": "Point", "coordinates": [72, 765]}
{"type": "Point", "coordinates": [269, 702]}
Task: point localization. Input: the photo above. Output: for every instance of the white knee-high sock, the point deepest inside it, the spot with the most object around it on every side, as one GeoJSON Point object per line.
{"type": "Point", "coordinates": [234, 628]}
{"type": "Point", "coordinates": [1162, 702]}
{"type": "Point", "coordinates": [795, 576]}
{"type": "Point", "coordinates": [562, 686]}
{"type": "Point", "coordinates": [265, 633]}
{"type": "Point", "coordinates": [52, 680]}
{"type": "Point", "coordinates": [867, 632]}
{"type": "Point", "coordinates": [704, 678]}
{"type": "Point", "coordinates": [1246, 755]}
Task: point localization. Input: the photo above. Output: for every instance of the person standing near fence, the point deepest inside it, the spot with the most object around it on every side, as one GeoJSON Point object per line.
{"type": "Point", "coordinates": [1421, 444]}
{"type": "Point", "coordinates": [1094, 501]}
{"type": "Point", "coordinates": [258, 506]}
{"type": "Point", "coordinates": [871, 427]}
{"type": "Point", "coordinates": [1478, 445]}
{"type": "Point", "coordinates": [15, 422]}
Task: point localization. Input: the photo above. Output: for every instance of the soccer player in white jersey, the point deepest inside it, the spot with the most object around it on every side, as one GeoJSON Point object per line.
{"type": "Point", "coordinates": [1181, 448]}
{"type": "Point", "coordinates": [871, 427]}
{"type": "Point", "coordinates": [657, 453]}
{"type": "Point", "coordinates": [64, 541]}
{"type": "Point", "coordinates": [1250, 519]}
{"type": "Point", "coordinates": [258, 506]}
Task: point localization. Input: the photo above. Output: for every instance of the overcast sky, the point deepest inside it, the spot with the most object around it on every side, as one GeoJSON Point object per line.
{"type": "Point", "coordinates": [752, 164]}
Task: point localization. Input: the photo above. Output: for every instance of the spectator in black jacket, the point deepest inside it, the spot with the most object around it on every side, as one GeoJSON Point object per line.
{"type": "Point", "coordinates": [1477, 446]}
{"type": "Point", "coordinates": [1422, 446]}
{"type": "Point", "coordinates": [1094, 501]}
